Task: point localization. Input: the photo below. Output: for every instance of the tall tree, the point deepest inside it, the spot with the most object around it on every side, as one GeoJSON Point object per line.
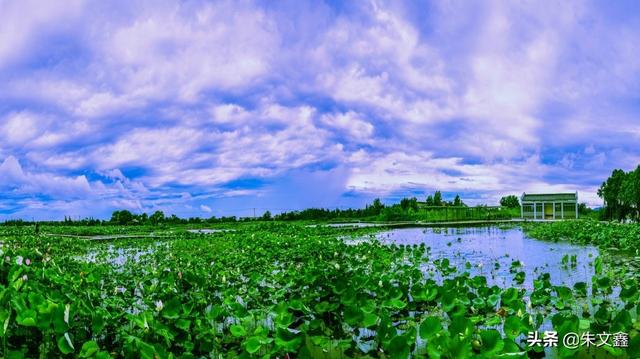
{"type": "Point", "coordinates": [630, 193]}
{"type": "Point", "coordinates": [457, 201]}
{"type": "Point", "coordinates": [429, 201]}
{"type": "Point", "coordinates": [510, 201]}
{"type": "Point", "coordinates": [122, 217]}
{"type": "Point", "coordinates": [610, 192]}
{"type": "Point", "coordinates": [437, 199]}
{"type": "Point", "coordinates": [377, 206]}
{"type": "Point", "coordinates": [409, 203]}
{"type": "Point", "coordinates": [157, 217]}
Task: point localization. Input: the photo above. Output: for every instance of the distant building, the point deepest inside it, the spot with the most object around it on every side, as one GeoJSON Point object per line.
{"type": "Point", "coordinates": [549, 206]}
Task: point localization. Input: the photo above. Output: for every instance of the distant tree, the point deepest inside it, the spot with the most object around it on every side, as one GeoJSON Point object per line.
{"type": "Point", "coordinates": [409, 203]}
{"type": "Point", "coordinates": [437, 198]}
{"type": "Point", "coordinates": [266, 216]}
{"type": "Point", "coordinates": [377, 206]}
{"type": "Point", "coordinates": [583, 210]}
{"type": "Point", "coordinates": [457, 201]}
{"type": "Point", "coordinates": [429, 201]}
{"type": "Point", "coordinates": [413, 203]}
{"type": "Point", "coordinates": [404, 203]}
{"type": "Point", "coordinates": [122, 217]}
{"type": "Point", "coordinates": [510, 201]}
{"type": "Point", "coordinates": [157, 217]}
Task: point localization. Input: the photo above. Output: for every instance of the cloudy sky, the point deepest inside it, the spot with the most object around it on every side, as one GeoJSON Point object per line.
{"type": "Point", "coordinates": [216, 108]}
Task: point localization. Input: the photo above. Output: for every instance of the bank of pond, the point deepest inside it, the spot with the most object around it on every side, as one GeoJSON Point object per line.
{"type": "Point", "coordinates": [276, 290]}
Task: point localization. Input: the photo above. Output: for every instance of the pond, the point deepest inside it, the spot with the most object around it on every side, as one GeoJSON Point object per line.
{"type": "Point", "coordinates": [491, 252]}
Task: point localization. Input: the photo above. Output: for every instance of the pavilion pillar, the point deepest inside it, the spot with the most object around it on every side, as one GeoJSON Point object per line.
{"type": "Point", "coordinates": [562, 210]}
{"type": "Point", "coordinates": [522, 210]}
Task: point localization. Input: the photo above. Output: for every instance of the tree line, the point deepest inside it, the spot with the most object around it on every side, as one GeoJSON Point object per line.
{"type": "Point", "coordinates": [621, 195]}
{"type": "Point", "coordinates": [408, 208]}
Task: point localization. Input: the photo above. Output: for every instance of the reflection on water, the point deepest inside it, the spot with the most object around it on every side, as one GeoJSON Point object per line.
{"type": "Point", "coordinates": [491, 252]}
{"type": "Point", "coordinates": [119, 256]}
{"type": "Point", "coordinates": [209, 231]}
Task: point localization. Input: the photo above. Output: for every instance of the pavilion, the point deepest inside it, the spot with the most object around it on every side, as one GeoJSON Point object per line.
{"type": "Point", "coordinates": [549, 206]}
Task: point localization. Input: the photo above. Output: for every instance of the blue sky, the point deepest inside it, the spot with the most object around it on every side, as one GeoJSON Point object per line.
{"type": "Point", "coordinates": [216, 108]}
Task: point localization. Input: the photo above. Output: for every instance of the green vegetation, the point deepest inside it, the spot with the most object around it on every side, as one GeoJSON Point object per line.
{"type": "Point", "coordinates": [510, 201]}
{"type": "Point", "coordinates": [434, 209]}
{"type": "Point", "coordinates": [604, 235]}
{"type": "Point", "coordinates": [621, 195]}
{"type": "Point", "coordinates": [269, 289]}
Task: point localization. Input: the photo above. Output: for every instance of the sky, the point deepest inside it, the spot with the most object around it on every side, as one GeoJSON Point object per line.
{"type": "Point", "coordinates": [203, 108]}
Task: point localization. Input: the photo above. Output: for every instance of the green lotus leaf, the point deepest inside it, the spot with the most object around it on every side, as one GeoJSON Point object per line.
{"type": "Point", "coordinates": [394, 304]}
{"type": "Point", "coordinates": [183, 324]}
{"type": "Point", "coordinates": [491, 341]}
{"type": "Point", "coordinates": [287, 340]}
{"type": "Point", "coordinates": [27, 318]}
{"type": "Point", "coordinates": [513, 326]}
{"type": "Point", "coordinates": [510, 297]}
{"type": "Point", "coordinates": [461, 326]}
{"type": "Point", "coordinates": [89, 349]}
{"type": "Point", "coordinates": [369, 320]}
{"type": "Point", "coordinates": [97, 321]}
{"type": "Point", "coordinates": [252, 344]}
{"type": "Point", "coordinates": [430, 326]}
{"type": "Point", "coordinates": [172, 309]}
{"type": "Point", "coordinates": [14, 354]}
{"type": "Point", "coordinates": [238, 330]}
{"type": "Point", "coordinates": [65, 344]}
{"type": "Point", "coordinates": [621, 322]}
{"type": "Point", "coordinates": [398, 348]}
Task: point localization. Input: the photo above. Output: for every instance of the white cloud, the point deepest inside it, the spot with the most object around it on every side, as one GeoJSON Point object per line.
{"type": "Point", "coordinates": [14, 178]}
{"type": "Point", "coordinates": [19, 128]}
{"type": "Point", "coordinates": [352, 123]}
{"type": "Point", "coordinates": [189, 96]}
{"type": "Point", "coordinates": [23, 21]}
{"type": "Point", "coordinates": [181, 51]}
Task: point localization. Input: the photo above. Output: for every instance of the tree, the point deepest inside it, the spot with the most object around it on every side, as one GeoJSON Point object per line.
{"type": "Point", "coordinates": [157, 217]}
{"type": "Point", "coordinates": [409, 203]}
{"type": "Point", "coordinates": [122, 217]}
{"type": "Point", "coordinates": [413, 203]}
{"type": "Point", "coordinates": [630, 193]}
{"type": "Point", "coordinates": [377, 206]}
{"type": "Point", "coordinates": [583, 210]}
{"type": "Point", "coordinates": [510, 201]}
{"type": "Point", "coordinates": [610, 192]}
{"type": "Point", "coordinates": [429, 200]}
{"type": "Point", "coordinates": [457, 201]}
{"type": "Point", "coordinates": [437, 199]}
{"type": "Point", "coordinates": [266, 216]}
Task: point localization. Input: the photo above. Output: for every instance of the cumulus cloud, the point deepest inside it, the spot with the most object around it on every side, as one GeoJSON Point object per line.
{"type": "Point", "coordinates": [133, 106]}
{"type": "Point", "coordinates": [13, 178]}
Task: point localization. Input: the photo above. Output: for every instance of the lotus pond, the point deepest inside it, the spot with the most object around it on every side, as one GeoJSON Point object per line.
{"type": "Point", "coordinates": [272, 290]}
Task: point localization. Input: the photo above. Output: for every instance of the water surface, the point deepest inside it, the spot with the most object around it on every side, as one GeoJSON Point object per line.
{"type": "Point", "coordinates": [491, 251]}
